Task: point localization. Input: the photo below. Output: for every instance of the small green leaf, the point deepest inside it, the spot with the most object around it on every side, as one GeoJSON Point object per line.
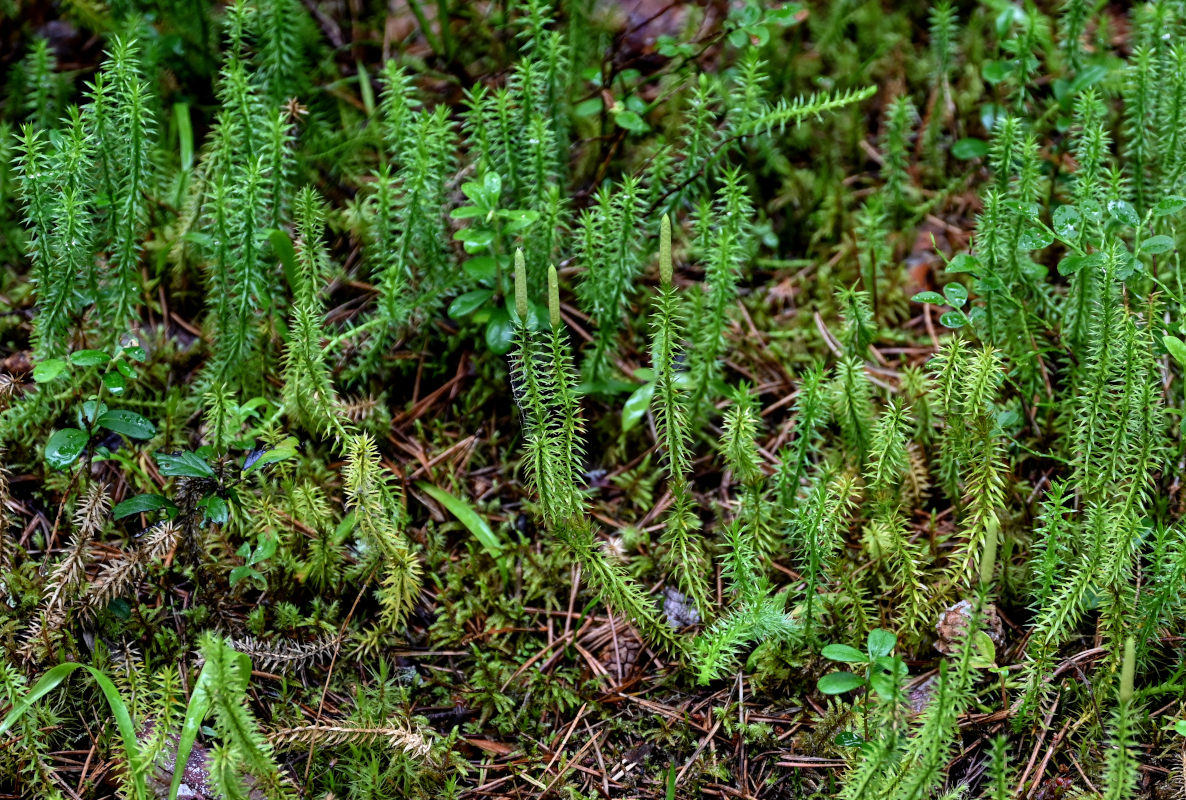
{"type": "Point", "coordinates": [964, 262]}
{"type": "Point", "coordinates": [881, 642]}
{"type": "Point", "coordinates": [1072, 264]}
{"type": "Point", "coordinates": [216, 509]}
{"type": "Point", "coordinates": [930, 297]}
{"type": "Point", "coordinates": [283, 451]}
{"type": "Point", "coordinates": [969, 148]}
{"type": "Point", "coordinates": [492, 185]}
{"type": "Point", "coordinates": [1124, 212]}
{"type": "Point", "coordinates": [482, 268]}
{"type": "Point", "coordinates": [141, 504]}
{"type": "Point", "coordinates": [1169, 205]}
{"type": "Point", "coordinates": [243, 572]}
{"type": "Point", "coordinates": [128, 423]}
{"type": "Point", "coordinates": [475, 239]}
{"type": "Point", "coordinates": [1176, 348]}
{"type": "Point", "coordinates": [1156, 245]}
{"type": "Point", "coordinates": [268, 544]}
{"type": "Point", "coordinates": [1034, 238]}
{"type": "Point", "coordinates": [1180, 727]}
{"type": "Point", "coordinates": [115, 382]}
{"type": "Point", "coordinates": [956, 294]}
{"type": "Point", "coordinates": [1027, 209]}
{"type": "Point", "coordinates": [636, 406]}
{"type": "Point", "coordinates": [883, 685]}
{"type": "Point", "coordinates": [136, 353]}
{"type": "Point", "coordinates": [630, 121]}
{"type": "Point", "coordinates": [996, 71]}
{"type": "Point", "coordinates": [953, 319]}
{"type": "Point", "coordinates": [89, 358]}
{"type": "Point", "coordinates": [588, 108]}
{"type": "Point", "coordinates": [839, 683]}
{"type": "Point", "coordinates": [184, 464]}
{"type": "Point", "coordinates": [64, 447]}
{"type": "Point", "coordinates": [500, 332]}
{"type": "Point", "coordinates": [467, 212]}
{"type": "Point", "coordinates": [468, 303]}
{"type": "Point", "coordinates": [984, 653]}
{"type": "Point", "coordinates": [1068, 223]}
{"type": "Point", "coordinates": [842, 652]}
{"type": "Point", "coordinates": [89, 410]}
{"type": "Point", "coordinates": [848, 739]}
{"type": "Point", "coordinates": [49, 369]}
{"type": "Point", "coordinates": [518, 219]}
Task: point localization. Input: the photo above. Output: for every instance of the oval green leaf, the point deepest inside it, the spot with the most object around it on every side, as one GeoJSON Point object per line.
{"type": "Point", "coordinates": [1034, 239]}
{"type": "Point", "coordinates": [839, 683]}
{"type": "Point", "coordinates": [500, 332]}
{"type": "Point", "coordinates": [930, 297]}
{"type": "Point", "coordinates": [1156, 245]}
{"type": "Point", "coordinates": [127, 423]}
{"type": "Point", "coordinates": [842, 652]}
{"type": "Point", "coordinates": [848, 739]}
{"type": "Point", "coordinates": [115, 382]}
{"type": "Point", "coordinates": [1176, 348]}
{"type": "Point", "coordinates": [1068, 223]}
{"type": "Point", "coordinates": [953, 319]}
{"type": "Point", "coordinates": [1169, 205]}
{"type": "Point", "coordinates": [630, 121]}
{"type": "Point", "coordinates": [1124, 212]}
{"type": "Point", "coordinates": [996, 71]}
{"type": "Point", "coordinates": [881, 642]}
{"type": "Point", "coordinates": [636, 406]}
{"type": "Point", "coordinates": [482, 268]}
{"type": "Point", "coordinates": [184, 464]}
{"type": "Point", "coordinates": [966, 149]}
{"type": "Point", "coordinates": [89, 358]}
{"type": "Point", "coordinates": [956, 294]}
{"type": "Point", "coordinates": [64, 447]}
{"type": "Point", "coordinates": [49, 369]}
{"type": "Point", "coordinates": [141, 504]}
{"type": "Point", "coordinates": [283, 451]}
{"type": "Point", "coordinates": [964, 262]}
{"type": "Point", "coordinates": [468, 303]}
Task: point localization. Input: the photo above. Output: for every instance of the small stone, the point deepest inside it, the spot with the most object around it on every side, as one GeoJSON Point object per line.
{"type": "Point", "coordinates": [680, 611]}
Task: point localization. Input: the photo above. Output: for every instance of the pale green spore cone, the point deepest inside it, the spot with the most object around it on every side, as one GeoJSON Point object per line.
{"type": "Point", "coordinates": [520, 286]}
{"type": "Point", "coordinates": [988, 559]}
{"type": "Point", "coordinates": [665, 269]}
{"type": "Point", "coordinates": [1128, 669]}
{"type": "Point", "coordinates": [553, 297]}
